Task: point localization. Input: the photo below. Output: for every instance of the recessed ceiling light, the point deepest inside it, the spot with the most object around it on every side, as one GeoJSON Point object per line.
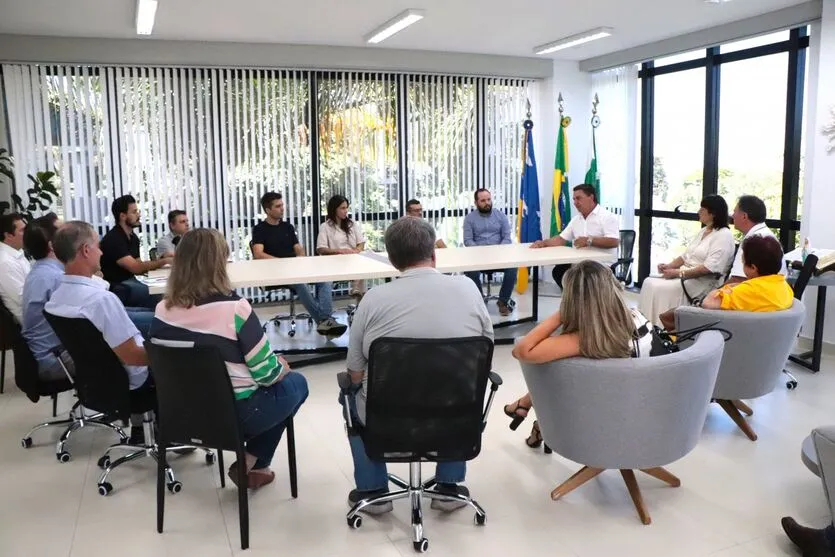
{"type": "Point", "coordinates": [394, 25]}
{"type": "Point", "coordinates": [146, 11]}
{"type": "Point", "coordinates": [574, 40]}
{"type": "Point", "coordinates": [717, 1]}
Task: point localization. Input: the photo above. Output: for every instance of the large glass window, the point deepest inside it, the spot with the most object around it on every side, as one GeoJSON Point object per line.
{"type": "Point", "coordinates": [670, 237]}
{"type": "Point", "coordinates": [679, 141]}
{"type": "Point", "coordinates": [752, 130]}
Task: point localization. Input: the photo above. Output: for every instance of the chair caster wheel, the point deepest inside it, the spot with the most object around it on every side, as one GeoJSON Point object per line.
{"type": "Point", "coordinates": [480, 519]}
{"type": "Point", "coordinates": [175, 487]}
{"type": "Point", "coordinates": [103, 462]}
{"type": "Point", "coordinates": [421, 546]}
{"type": "Point", "coordinates": [791, 385]}
{"type": "Point", "coordinates": [291, 333]}
{"type": "Point", "coordinates": [105, 488]}
{"type": "Point", "coordinates": [355, 522]}
{"type": "Point", "coordinates": [63, 457]}
{"type": "Point", "coordinates": [310, 322]}
{"type": "Point", "coordinates": [210, 458]}
{"type": "Point", "coordinates": [26, 442]}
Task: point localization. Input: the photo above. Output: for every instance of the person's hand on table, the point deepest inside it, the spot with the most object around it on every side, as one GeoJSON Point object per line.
{"type": "Point", "coordinates": [582, 242]}
{"type": "Point", "coordinates": [538, 244]}
{"type": "Point", "coordinates": [347, 251]}
{"type": "Point", "coordinates": [670, 273]}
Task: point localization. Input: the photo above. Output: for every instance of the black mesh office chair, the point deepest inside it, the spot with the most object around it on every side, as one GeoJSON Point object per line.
{"type": "Point", "coordinates": [292, 315]}
{"type": "Point", "coordinates": [425, 403]}
{"type": "Point", "coordinates": [102, 385]}
{"type": "Point", "coordinates": [622, 268]}
{"type": "Point", "coordinates": [718, 280]}
{"type": "Point", "coordinates": [799, 287]}
{"type": "Point", "coordinates": [30, 383]}
{"type": "Point", "coordinates": [9, 330]}
{"type": "Point", "coordinates": [204, 416]}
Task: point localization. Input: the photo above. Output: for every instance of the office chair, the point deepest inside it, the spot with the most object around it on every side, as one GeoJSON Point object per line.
{"type": "Point", "coordinates": [799, 287]}
{"type": "Point", "coordinates": [425, 403]}
{"type": "Point", "coordinates": [152, 254]}
{"type": "Point", "coordinates": [9, 330]}
{"type": "Point", "coordinates": [30, 383]}
{"type": "Point", "coordinates": [292, 316]}
{"type": "Point", "coordinates": [206, 416]}
{"type": "Point", "coordinates": [487, 278]}
{"type": "Point", "coordinates": [718, 278]}
{"type": "Point", "coordinates": [622, 268]}
{"type": "Point", "coordinates": [102, 385]}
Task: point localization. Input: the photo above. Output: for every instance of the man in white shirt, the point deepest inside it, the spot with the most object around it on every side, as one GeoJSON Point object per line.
{"type": "Point", "coordinates": [13, 263]}
{"type": "Point", "coordinates": [594, 226]}
{"type": "Point", "coordinates": [414, 209]}
{"type": "Point", "coordinates": [749, 218]}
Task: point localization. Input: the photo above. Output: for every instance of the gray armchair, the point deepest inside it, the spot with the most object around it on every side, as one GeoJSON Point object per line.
{"type": "Point", "coordinates": [625, 414]}
{"type": "Point", "coordinates": [823, 441]}
{"type": "Point", "coordinates": [754, 358]}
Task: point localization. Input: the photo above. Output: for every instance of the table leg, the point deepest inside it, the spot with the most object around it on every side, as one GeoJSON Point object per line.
{"type": "Point", "coordinates": [535, 294]}
{"type": "Point", "coordinates": [817, 340]}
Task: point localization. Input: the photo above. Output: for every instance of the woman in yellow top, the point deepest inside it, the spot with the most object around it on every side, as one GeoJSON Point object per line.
{"type": "Point", "coordinates": [764, 289]}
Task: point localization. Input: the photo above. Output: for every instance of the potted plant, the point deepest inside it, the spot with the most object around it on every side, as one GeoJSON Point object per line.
{"type": "Point", "coordinates": [40, 195]}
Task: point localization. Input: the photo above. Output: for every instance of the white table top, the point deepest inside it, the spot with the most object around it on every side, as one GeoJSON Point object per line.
{"type": "Point", "coordinates": [332, 268]}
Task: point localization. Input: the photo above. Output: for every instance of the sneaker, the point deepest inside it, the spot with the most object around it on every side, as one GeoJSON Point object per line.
{"type": "Point", "coordinates": [449, 489]}
{"type": "Point", "coordinates": [505, 308]}
{"type": "Point", "coordinates": [330, 327]}
{"type": "Point", "coordinates": [377, 508]}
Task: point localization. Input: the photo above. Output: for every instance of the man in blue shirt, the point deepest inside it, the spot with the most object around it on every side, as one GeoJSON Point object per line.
{"type": "Point", "coordinates": [490, 227]}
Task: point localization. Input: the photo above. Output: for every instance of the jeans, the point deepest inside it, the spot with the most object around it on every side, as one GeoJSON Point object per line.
{"type": "Point", "coordinates": [135, 294]}
{"type": "Point", "coordinates": [508, 282]}
{"type": "Point", "coordinates": [141, 318]}
{"type": "Point", "coordinates": [263, 415]}
{"type": "Point", "coordinates": [829, 534]}
{"type": "Point", "coordinates": [372, 475]}
{"type": "Point", "coordinates": [321, 307]}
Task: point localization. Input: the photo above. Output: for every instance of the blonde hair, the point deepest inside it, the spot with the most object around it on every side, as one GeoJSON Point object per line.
{"type": "Point", "coordinates": [593, 307]}
{"type": "Point", "coordinates": [199, 269]}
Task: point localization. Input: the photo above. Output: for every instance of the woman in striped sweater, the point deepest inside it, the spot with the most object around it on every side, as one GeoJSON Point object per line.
{"type": "Point", "coordinates": [200, 306]}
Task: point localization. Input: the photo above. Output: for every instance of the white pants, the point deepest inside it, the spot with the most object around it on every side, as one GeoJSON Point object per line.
{"type": "Point", "coordinates": [659, 295]}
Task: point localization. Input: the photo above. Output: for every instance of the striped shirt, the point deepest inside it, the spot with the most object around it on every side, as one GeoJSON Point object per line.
{"type": "Point", "coordinates": [228, 323]}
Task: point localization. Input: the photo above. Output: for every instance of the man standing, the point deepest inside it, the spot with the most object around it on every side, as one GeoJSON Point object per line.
{"type": "Point", "coordinates": [178, 225]}
{"type": "Point", "coordinates": [276, 238]}
{"type": "Point", "coordinates": [490, 227]}
{"type": "Point", "coordinates": [749, 218]}
{"type": "Point", "coordinates": [399, 309]}
{"type": "Point", "coordinates": [593, 227]}
{"type": "Point", "coordinates": [120, 262]}
{"type": "Point", "coordinates": [13, 264]}
{"type": "Point", "coordinates": [414, 209]}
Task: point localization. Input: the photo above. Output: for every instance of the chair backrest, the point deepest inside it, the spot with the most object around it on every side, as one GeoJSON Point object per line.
{"type": "Point", "coordinates": [196, 404]}
{"type": "Point", "coordinates": [9, 328]}
{"type": "Point", "coordinates": [626, 412]}
{"type": "Point", "coordinates": [627, 244]}
{"type": "Point", "coordinates": [805, 274]}
{"type": "Point", "coordinates": [101, 380]}
{"type": "Point", "coordinates": [753, 361]}
{"type": "Point", "coordinates": [426, 398]}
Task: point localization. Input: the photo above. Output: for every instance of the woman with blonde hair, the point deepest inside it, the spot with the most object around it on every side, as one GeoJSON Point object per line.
{"type": "Point", "coordinates": [595, 322]}
{"type": "Point", "coordinates": [200, 306]}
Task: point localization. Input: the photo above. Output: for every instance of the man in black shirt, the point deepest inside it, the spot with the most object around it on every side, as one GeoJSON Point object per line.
{"type": "Point", "coordinates": [120, 262]}
{"type": "Point", "coordinates": [276, 238]}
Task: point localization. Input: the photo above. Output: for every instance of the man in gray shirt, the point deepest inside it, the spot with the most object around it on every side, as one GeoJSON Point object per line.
{"type": "Point", "coordinates": [399, 309]}
{"type": "Point", "coordinates": [490, 227]}
{"type": "Point", "coordinates": [178, 224]}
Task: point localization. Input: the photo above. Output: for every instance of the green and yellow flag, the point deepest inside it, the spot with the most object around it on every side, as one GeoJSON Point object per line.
{"type": "Point", "coordinates": [560, 211]}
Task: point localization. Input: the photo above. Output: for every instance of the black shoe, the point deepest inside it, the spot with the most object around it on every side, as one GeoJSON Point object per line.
{"type": "Point", "coordinates": [811, 542]}
{"type": "Point", "coordinates": [449, 489]}
{"type": "Point", "coordinates": [377, 508]}
{"type": "Point", "coordinates": [331, 328]}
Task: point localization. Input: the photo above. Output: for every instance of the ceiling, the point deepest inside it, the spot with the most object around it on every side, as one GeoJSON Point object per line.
{"type": "Point", "coordinates": [476, 26]}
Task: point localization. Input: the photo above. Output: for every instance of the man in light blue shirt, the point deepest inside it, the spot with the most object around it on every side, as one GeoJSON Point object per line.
{"type": "Point", "coordinates": [490, 227]}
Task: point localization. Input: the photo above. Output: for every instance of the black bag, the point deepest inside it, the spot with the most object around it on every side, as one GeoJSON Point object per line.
{"type": "Point", "coordinates": [667, 342]}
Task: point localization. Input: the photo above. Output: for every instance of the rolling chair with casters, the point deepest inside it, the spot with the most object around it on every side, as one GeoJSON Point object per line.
{"type": "Point", "coordinates": [487, 278]}
{"type": "Point", "coordinates": [206, 416]}
{"type": "Point", "coordinates": [152, 254]}
{"type": "Point", "coordinates": [622, 268]}
{"type": "Point", "coordinates": [9, 331]}
{"type": "Point", "coordinates": [799, 287]}
{"type": "Point", "coordinates": [291, 316]}
{"type": "Point", "coordinates": [29, 382]}
{"type": "Point", "coordinates": [102, 385]}
{"type": "Point", "coordinates": [425, 403]}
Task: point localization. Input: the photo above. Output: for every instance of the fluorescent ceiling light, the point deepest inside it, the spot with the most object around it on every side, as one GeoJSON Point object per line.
{"type": "Point", "coordinates": [574, 40]}
{"type": "Point", "coordinates": [717, 1]}
{"type": "Point", "coordinates": [146, 11]}
{"type": "Point", "coordinates": [394, 25]}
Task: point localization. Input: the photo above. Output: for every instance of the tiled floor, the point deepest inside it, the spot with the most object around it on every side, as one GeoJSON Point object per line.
{"type": "Point", "coordinates": [732, 496]}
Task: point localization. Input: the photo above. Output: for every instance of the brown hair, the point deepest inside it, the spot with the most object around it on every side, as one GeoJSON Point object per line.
{"type": "Point", "coordinates": [592, 306]}
{"type": "Point", "coordinates": [763, 252]}
{"type": "Point", "coordinates": [199, 269]}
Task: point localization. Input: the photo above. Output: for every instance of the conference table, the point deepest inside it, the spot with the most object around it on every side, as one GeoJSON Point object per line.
{"type": "Point", "coordinates": [373, 265]}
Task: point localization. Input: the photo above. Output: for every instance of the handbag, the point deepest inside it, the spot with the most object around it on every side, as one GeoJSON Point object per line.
{"type": "Point", "coordinates": [667, 342]}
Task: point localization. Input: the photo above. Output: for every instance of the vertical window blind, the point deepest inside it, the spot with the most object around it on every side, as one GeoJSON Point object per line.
{"type": "Point", "coordinates": [213, 140]}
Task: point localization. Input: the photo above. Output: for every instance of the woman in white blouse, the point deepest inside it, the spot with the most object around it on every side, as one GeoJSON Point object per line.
{"type": "Point", "coordinates": [340, 235]}
{"type": "Point", "coordinates": [711, 251]}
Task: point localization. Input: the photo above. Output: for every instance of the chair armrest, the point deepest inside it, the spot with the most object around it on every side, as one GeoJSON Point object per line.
{"type": "Point", "coordinates": [343, 380]}
{"type": "Point", "coordinates": [495, 380]}
{"type": "Point", "coordinates": [691, 300]}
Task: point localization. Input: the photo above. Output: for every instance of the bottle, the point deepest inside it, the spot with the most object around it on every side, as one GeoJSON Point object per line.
{"type": "Point", "coordinates": [807, 248]}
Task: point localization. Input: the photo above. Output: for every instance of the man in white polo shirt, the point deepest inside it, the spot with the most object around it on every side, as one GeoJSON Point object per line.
{"type": "Point", "coordinates": [13, 263]}
{"type": "Point", "coordinates": [594, 226]}
{"type": "Point", "coordinates": [749, 218]}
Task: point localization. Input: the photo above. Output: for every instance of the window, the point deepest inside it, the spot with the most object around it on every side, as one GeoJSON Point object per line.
{"type": "Point", "coordinates": [753, 42]}
{"type": "Point", "coordinates": [752, 130]}
{"type": "Point", "coordinates": [679, 141]}
{"type": "Point", "coordinates": [670, 238]}
{"type": "Point", "coordinates": [678, 58]}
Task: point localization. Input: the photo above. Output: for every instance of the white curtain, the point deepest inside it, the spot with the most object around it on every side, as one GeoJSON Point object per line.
{"type": "Point", "coordinates": [617, 90]}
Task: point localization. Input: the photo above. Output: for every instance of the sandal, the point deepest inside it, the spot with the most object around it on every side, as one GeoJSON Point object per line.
{"type": "Point", "coordinates": [535, 439]}
{"type": "Point", "coordinates": [512, 412]}
{"type": "Point", "coordinates": [254, 480]}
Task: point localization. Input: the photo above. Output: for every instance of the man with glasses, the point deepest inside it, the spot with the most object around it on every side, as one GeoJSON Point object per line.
{"type": "Point", "coordinates": [414, 209]}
